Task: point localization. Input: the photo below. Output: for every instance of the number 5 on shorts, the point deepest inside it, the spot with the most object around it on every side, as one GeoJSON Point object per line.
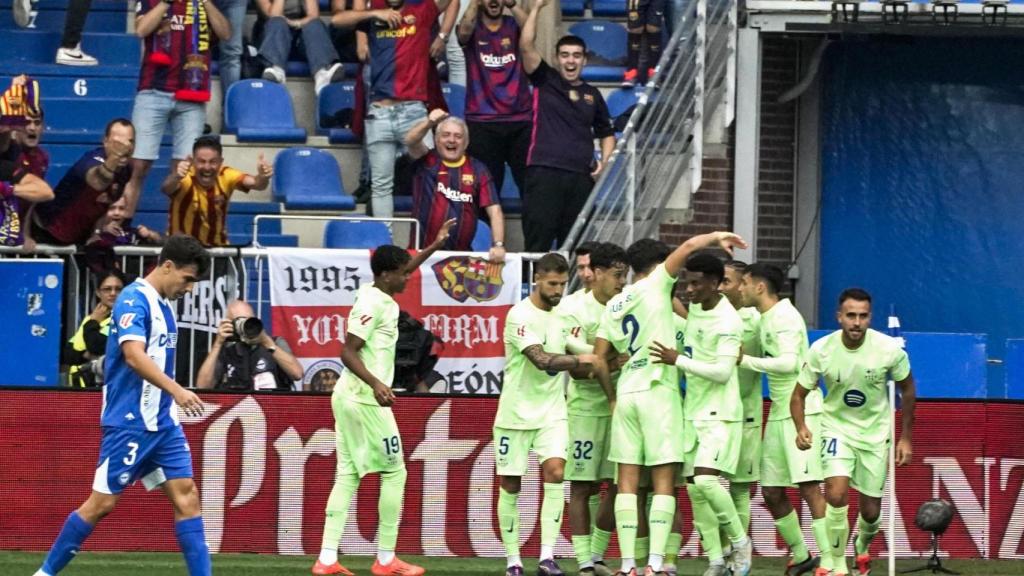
{"type": "Point", "coordinates": [503, 446]}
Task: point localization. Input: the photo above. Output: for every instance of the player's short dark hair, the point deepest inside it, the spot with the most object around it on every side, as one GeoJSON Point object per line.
{"type": "Point", "coordinates": [388, 258]}
{"type": "Point", "coordinates": [117, 122]}
{"type": "Point", "coordinates": [770, 274]}
{"type": "Point", "coordinates": [570, 40]}
{"type": "Point", "coordinates": [183, 250]}
{"type": "Point", "coordinates": [646, 253]}
{"type": "Point", "coordinates": [551, 262]}
{"type": "Point", "coordinates": [210, 142]}
{"type": "Point", "coordinates": [708, 264]}
{"type": "Point", "coordinates": [737, 265]}
{"type": "Point", "coordinates": [859, 294]}
{"type": "Point", "coordinates": [606, 255]}
{"type": "Point", "coordinates": [584, 248]}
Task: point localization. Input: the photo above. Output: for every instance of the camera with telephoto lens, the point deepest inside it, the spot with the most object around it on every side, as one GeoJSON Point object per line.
{"type": "Point", "coordinates": [92, 372]}
{"type": "Point", "coordinates": [247, 330]}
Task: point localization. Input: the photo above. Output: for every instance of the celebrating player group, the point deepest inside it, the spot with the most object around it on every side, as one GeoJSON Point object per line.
{"type": "Point", "coordinates": [663, 396]}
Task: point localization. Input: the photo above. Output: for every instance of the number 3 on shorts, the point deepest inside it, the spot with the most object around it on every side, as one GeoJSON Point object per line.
{"type": "Point", "coordinates": [133, 449]}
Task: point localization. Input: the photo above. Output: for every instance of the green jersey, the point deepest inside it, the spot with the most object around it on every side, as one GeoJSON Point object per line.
{"type": "Point", "coordinates": [633, 320]}
{"type": "Point", "coordinates": [750, 380]}
{"type": "Point", "coordinates": [581, 313]}
{"type": "Point", "coordinates": [783, 333]}
{"type": "Point", "coordinates": [530, 398]}
{"type": "Point", "coordinates": [374, 319]}
{"type": "Point", "coordinates": [857, 404]}
{"type": "Point", "coordinates": [710, 336]}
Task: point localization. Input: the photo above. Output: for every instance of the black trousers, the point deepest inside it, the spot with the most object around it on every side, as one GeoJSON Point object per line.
{"type": "Point", "coordinates": [552, 202]}
{"type": "Point", "coordinates": [498, 143]}
{"type": "Point", "coordinates": [74, 22]}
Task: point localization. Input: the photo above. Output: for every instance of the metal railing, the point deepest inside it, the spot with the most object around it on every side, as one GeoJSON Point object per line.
{"type": "Point", "coordinates": [664, 139]}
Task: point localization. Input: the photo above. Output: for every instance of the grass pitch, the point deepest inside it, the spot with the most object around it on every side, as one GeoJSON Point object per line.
{"type": "Point", "coordinates": [168, 564]}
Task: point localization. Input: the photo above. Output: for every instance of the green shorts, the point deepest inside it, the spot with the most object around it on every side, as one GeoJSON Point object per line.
{"type": "Point", "coordinates": [866, 469]}
{"type": "Point", "coordinates": [712, 444]}
{"type": "Point", "coordinates": [589, 437]}
{"type": "Point", "coordinates": [512, 447]}
{"type": "Point", "coordinates": [647, 427]}
{"type": "Point", "coordinates": [748, 467]}
{"type": "Point", "coordinates": [366, 436]}
{"type": "Point", "coordinates": [782, 463]}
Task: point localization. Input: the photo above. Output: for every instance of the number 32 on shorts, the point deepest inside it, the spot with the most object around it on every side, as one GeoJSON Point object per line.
{"type": "Point", "coordinates": [582, 449]}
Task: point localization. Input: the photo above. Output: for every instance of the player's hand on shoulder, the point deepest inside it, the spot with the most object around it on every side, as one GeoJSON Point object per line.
{"type": "Point", "coordinates": [804, 438]}
{"type": "Point", "coordinates": [189, 401]}
{"type": "Point", "coordinates": [663, 354]}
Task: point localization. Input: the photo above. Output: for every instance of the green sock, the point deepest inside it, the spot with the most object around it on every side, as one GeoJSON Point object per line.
{"type": "Point", "coordinates": [337, 509]}
{"type": "Point", "coordinates": [551, 509]}
{"type": "Point", "coordinates": [643, 549]}
{"type": "Point", "coordinates": [581, 546]}
{"type": "Point", "coordinates": [838, 533]}
{"type": "Point", "coordinates": [865, 534]}
{"type": "Point", "coordinates": [789, 528]}
{"type": "Point", "coordinates": [599, 540]}
{"type": "Point", "coordinates": [706, 523]}
{"type": "Point", "coordinates": [389, 508]}
{"type": "Point", "coordinates": [663, 511]}
{"type": "Point", "coordinates": [672, 546]}
{"type": "Point", "coordinates": [820, 529]}
{"type": "Point", "coordinates": [508, 521]}
{"type": "Point", "coordinates": [740, 494]}
{"type": "Point", "coordinates": [719, 501]}
{"type": "Point", "coordinates": [625, 524]}
{"type": "Point", "coordinates": [593, 503]}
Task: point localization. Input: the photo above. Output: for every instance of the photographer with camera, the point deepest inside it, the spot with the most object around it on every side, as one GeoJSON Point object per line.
{"type": "Point", "coordinates": [84, 351]}
{"type": "Point", "coordinates": [244, 357]}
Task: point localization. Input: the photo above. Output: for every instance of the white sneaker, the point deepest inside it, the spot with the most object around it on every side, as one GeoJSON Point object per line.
{"type": "Point", "coordinates": [741, 557]}
{"type": "Point", "coordinates": [330, 75]}
{"type": "Point", "coordinates": [75, 57]}
{"type": "Point", "coordinates": [22, 12]}
{"type": "Point", "coordinates": [274, 74]}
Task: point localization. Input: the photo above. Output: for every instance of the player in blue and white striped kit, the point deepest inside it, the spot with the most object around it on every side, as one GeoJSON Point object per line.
{"type": "Point", "coordinates": [142, 436]}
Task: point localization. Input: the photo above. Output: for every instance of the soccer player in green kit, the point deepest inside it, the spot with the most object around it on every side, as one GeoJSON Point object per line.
{"type": "Point", "coordinates": [366, 433]}
{"type": "Point", "coordinates": [713, 412]}
{"type": "Point", "coordinates": [647, 421]}
{"type": "Point", "coordinates": [590, 412]}
{"type": "Point", "coordinates": [783, 336]}
{"type": "Point", "coordinates": [855, 363]}
{"type": "Point", "coordinates": [532, 409]}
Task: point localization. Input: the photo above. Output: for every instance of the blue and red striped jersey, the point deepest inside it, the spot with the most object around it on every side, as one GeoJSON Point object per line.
{"type": "Point", "coordinates": [441, 191]}
{"type": "Point", "coordinates": [496, 89]}
{"type": "Point", "coordinates": [399, 58]}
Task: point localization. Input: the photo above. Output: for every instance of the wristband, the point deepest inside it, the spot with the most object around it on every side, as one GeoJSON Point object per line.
{"type": "Point", "coordinates": [497, 244]}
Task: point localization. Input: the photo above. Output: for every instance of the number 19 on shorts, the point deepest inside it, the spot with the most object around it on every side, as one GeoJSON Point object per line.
{"type": "Point", "coordinates": [392, 446]}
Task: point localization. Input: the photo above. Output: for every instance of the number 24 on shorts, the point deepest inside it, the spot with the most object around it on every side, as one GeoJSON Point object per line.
{"type": "Point", "coordinates": [828, 446]}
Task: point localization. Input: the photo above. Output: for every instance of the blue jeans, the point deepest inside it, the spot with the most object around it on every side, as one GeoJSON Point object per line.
{"type": "Point", "coordinates": [278, 38]}
{"type": "Point", "coordinates": [386, 127]}
{"type": "Point", "coordinates": [453, 51]}
{"type": "Point", "coordinates": [152, 111]}
{"type": "Point", "coordinates": [673, 12]}
{"type": "Point", "coordinates": [231, 50]}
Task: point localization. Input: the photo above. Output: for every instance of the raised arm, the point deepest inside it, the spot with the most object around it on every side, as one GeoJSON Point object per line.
{"type": "Point", "coordinates": [421, 257]}
{"type": "Point", "coordinates": [264, 171]}
{"type": "Point", "coordinates": [414, 137]}
{"type": "Point", "coordinates": [528, 40]}
{"type": "Point", "coordinates": [724, 240]}
{"type": "Point", "coordinates": [468, 22]}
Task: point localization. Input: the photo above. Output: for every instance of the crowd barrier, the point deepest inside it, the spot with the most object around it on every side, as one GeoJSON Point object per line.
{"type": "Point", "coordinates": [264, 464]}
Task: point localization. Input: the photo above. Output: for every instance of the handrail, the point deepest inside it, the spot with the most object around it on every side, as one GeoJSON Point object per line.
{"type": "Point", "coordinates": [412, 221]}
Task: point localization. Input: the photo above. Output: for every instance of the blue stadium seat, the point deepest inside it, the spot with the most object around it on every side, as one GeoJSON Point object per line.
{"type": "Point", "coordinates": [573, 7]}
{"type": "Point", "coordinates": [332, 99]}
{"type": "Point", "coordinates": [356, 234]}
{"type": "Point", "coordinates": [482, 238]}
{"type": "Point", "coordinates": [455, 96]}
{"type": "Point", "coordinates": [614, 8]}
{"type": "Point", "coordinates": [620, 100]}
{"type": "Point", "coordinates": [260, 111]}
{"type": "Point", "coordinates": [606, 49]}
{"type": "Point", "coordinates": [309, 179]}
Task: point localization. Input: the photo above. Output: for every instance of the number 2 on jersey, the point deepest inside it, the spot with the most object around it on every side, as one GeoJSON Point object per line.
{"type": "Point", "coordinates": [631, 328]}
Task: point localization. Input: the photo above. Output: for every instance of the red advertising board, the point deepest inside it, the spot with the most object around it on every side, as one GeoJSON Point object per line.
{"type": "Point", "coordinates": [265, 464]}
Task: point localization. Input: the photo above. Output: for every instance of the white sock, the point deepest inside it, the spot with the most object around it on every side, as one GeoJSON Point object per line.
{"type": "Point", "coordinates": [328, 556]}
{"type": "Point", "coordinates": [547, 552]}
{"type": "Point", "coordinates": [41, 573]}
{"type": "Point", "coordinates": [596, 558]}
{"type": "Point", "coordinates": [655, 560]}
{"type": "Point", "coordinates": [587, 564]}
{"type": "Point", "coordinates": [385, 557]}
{"type": "Point", "coordinates": [628, 564]}
{"type": "Point", "coordinates": [717, 562]}
{"type": "Point", "coordinates": [514, 561]}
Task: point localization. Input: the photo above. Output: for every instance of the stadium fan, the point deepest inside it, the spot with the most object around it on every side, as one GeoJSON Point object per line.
{"type": "Point", "coordinates": [230, 60]}
{"type": "Point", "coordinates": [142, 436]}
{"type": "Point", "coordinates": [115, 230]}
{"type": "Point", "coordinates": [397, 36]}
{"type": "Point", "coordinates": [499, 107]}
{"type": "Point", "coordinates": [244, 357]}
{"type": "Point", "coordinates": [570, 114]}
{"type": "Point", "coordinates": [70, 52]}
{"type": "Point", "coordinates": [644, 19]}
{"type": "Point", "coordinates": [444, 48]}
{"type": "Point", "coordinates": [90, 340]}
{"type": "Point", "coordinates": [87, 189]}
{"type": "Point", "coordinates": [284, 24]}
{"type": "Point", "coordinates": [22, 98]}
{"type": "Point", "coordinates": [447, 184]}
{"type": "Point", "coordinates": [200, 188]}
{"type": "Point", "coordinates": [368, 441]}
{"type": "Point", "coordinates": [174, 83]}
{"type": "Point", "coordinates": [856, 422]}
